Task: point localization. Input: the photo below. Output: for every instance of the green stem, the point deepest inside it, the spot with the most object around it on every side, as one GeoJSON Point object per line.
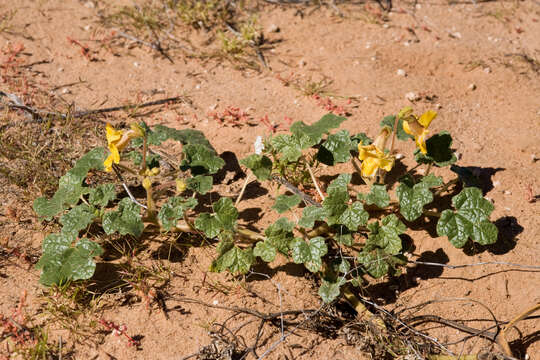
{"type": "Point", "coordinates": [145, 150]}
{"type": "Point", "coordinates": [446, 186]}
{"type": "Point", "coordinates": [428, 169]}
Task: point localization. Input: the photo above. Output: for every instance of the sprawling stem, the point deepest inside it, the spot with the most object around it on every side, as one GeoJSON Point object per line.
{"type": "Point", "coordinates": [144, 151]}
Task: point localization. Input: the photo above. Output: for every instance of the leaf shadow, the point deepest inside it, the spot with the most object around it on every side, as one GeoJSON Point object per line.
{"type": "Point", "coordinates": [409, 279]}
{"type": "Point", "coordinates": [508, 228]}
{"type": "Point", "coordinates": [250, 215]}
{"type": "Point", "coordinates": [231, 166]}
{"type": "Point", "coordinates": [483, 177]}
{"type": "Point", "coordinates": [520, 346]}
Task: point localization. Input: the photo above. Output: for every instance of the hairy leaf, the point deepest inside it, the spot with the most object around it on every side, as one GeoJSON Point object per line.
{"type": "Point", "coordinates": [438, 149]}
{"type": "Point", "coordinates": [310, 253]}
{"type": "Point", "coordinates": [200, 183]}
{"type": "Point", "coordinates": [265, 250]}
{"type": "Point", "coordinates": [102, 195]}
{"type": "Point", "coordinates": [173, 210]}
{"type": "Point", "coordinates": [329, 291]}
{"type": "Point", "coordinates": [236, 260]}
{"type": "Point", "coordinates": [377, 196]}
{"type": "Point", "coordinates": [374, 262]}
{"type": "Point", "coordinates": [336, 148]}
{"type": "Point", "coordinates": [260, 165]}
{"type": "Point", "coordinates": [70, 186]}
{"type": "Point", "coordinates": [77, 219]}
{"type": "Point", "coordinates": [280, 234]}
{"type": "Point", "coordinates": [223, 218]}
{"type": "Point", "coordinates": [286, 202]}
{"type": "Point", "coordinates": [288, 146]}
{"type": "Point", "coordinates": [470, 221]}
{"type": "Point", "coordinates": [315, 131]}
{"type": "Point", "coordinates": [310, 214]}
{"type": "Point", "coordinates": [354, 216]}
{"type": "Point", "coordinates": [386, 235]}
{"type": "Point", "coordinates": [201, 159]}
{"type": "Point", "coordinates": [125, 220]}
{"type": "Point", "coordinates": [63, 262]}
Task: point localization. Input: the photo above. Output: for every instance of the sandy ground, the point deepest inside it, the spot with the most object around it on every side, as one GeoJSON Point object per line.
{"type": "Point", "coordinates": [476, 63]}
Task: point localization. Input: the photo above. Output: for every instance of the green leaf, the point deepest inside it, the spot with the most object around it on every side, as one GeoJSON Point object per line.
{"type": "Point", "coordinates": [236, 260]}
{"type": "Point", "coordinates": [125, 220]}
{"type": "Point", "coordinates": [62, 262]}
{"type": "Point", "coordinates": [360, 138]}
{"type": "Point", "coordinates": [160, 133]}
{"type": "Point", "coordinates": [335, 205]}
{"type": "Point", "coordinates": [200, 183]}
{"type": "Point", "coordinates": [286, 202]}
{"type": "Point", "coordinates": [310, 214]}
{"type": "Point", "coordinates": [201, 159]}
{"type": "Point", "coordinates": [260, 165]}
{"type": "Point", "coordinates": [412, 200]}
{"type": "Point", "coordinates": [152, 160]}
{"type": "Point", "coordinates": [223, 218]}
{"type": "Point", "coordinates": [386, 236]}
{"type": "Point", "coordinates": [288, 146]}
{"type": "Point", "coordinates": [280, 234]}
{"type": "Point", "coordinates": [340, 183]}
{"type": "Point", "coordinates": [173, 210]}
{"type": "Point", "coordinates": [102, 195]}
{"type": "Point", "coordinates": [377, 196]}
{"type": "Point", "coordinates": [374, 262]}
{"type": "Point", "coordinates": [344, 237]}
{"type": "Point", "coordinates": [77, 219]}
{"type": "Point", "coordinates": [329, 291]}
{"type": "Point", "coordinates": [310, 253]}
{"type": "Point", "coordinates": [336, 148]}
{"type": "Point", "coordinates": [470, 221]}
{"type": "Point", "coordinates": [431, 181]}
{"type": "Point", "coordinates": [265, 250]}
{"type": "Point", "coordinates": [70, 186]}
{"type": "Point", "coordinates": [354, 216]}
{"type": "Point", "coordinates": [315, 131]}
{"type": "Point", "coordinates": [343, 266]}
{"type": "Point", "coordinates": [390, 121]}
{"type": "Point", "coordinates": [438, 150]}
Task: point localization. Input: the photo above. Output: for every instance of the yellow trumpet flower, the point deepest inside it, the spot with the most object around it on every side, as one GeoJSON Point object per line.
{"type": "Point", "coordinates": [117, 140]}
{"type": "Point", "coordinates": [417, 126]}
{"type": "Point", "coordinates": [373, 156]}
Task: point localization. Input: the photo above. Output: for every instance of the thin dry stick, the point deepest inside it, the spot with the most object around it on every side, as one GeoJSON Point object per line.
{"type": "Point", "coordinates": [315, 181]}
{"type": "Point", "coordinates": [502, 336]}
{"type": "Point", "coordinates": [246, 182]}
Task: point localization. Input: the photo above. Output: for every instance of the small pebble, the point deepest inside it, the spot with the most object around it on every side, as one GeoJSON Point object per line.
{"type": "Point", "coordinates": [399, 156]}
{"type": "Point", "coordinates": [401, 72]}
{"type": "Point", "coordinates": [302, 63]}
{"type": "Point", "coordinates": [438, 106]}
{"type": "Point", "coordinates": [66, 91]}
{"type": "Point", "coordinates": [213, 107]}
{"type": "Point", "coordinates": [496, 183]}
{"type": "Point", "coordinates": [472, 87]}
{"type": "Point", "coordinates": [411, 96]}
{"type": "Point", "coordinates": [489, 199]}
{"type": "Point", "coordinates": [406, 43]}
{"type": "Point", "coordinates": [386, 26]}
{"type": "Point", "coordinates": [421, 171]}
{"type": "Point", "coordinates": [60, 69]}
{"type": "Point", "coordinates": [198, 87]}
{"type": "Point", "coordinates": [458, 155]}
{"type": "Point", "coordinates": [136, 64]}
{"type": "Point", "coordinates": [373, 58]}
{"type": "Point", "coordinates": [507, 209]}
{"type": "Point", "coordinates": [456, 35]}
{"type": "Point", "coordinates": [418, 6]}
{"type": "Point", "coordinates": [507, 192]}
{"type": "Point", "coordinates": [90, 4]}
{"type": "Point", "coordinates": [487, 70]}
{"type": "Point", "coordinates": [273, 29]}
{"type": "Point", "coordinates": [534, 158]}
{"type": "Point", "coordinates": [368, 45]}
{"type": "Point", "coordinates": [215, 302]}
{"type": "Point", "coordinates": [87, 27]}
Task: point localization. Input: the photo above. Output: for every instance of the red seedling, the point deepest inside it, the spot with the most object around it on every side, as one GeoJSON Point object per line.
{"type": "Point", "coordinates": [118, 330]}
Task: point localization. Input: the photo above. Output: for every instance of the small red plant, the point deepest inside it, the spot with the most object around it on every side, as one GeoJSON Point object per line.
{"type": "Point", "coordinates": [328, 105]}
{"type": "Point", "coordinates": [118, 330]}
{"type": "Point", "coordinates": [230, 116]}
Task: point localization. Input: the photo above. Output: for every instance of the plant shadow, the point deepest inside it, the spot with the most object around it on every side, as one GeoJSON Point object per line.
{"type": "Point", "coordinates": [409, 279]}
{"type": "Point", "coordinates": [508, 228]}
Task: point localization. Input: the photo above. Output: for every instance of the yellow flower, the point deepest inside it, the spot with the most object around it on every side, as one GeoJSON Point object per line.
{"type": "Point", "coordinates": [418, 127]}
{"type": "Point", "coordinates": [117, 140]}
{"type": "Point", "coordinates": [373, 156]}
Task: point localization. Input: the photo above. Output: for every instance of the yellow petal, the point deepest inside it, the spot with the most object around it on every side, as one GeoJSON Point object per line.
{"type": "Point", "coordinates": [112, 134]}
{"type": "Point", "coordinates": [421, 141]}
{"type": "Point", "coordinates": [369, 166]}
{"type": "Point", "coordinates": [387, 164]}
{"type": "Point", "coordinates": [407, 128]}
{"type": "Point", "coordinates": [426, 118]}
{"type": "Point", "coordinates": [108, 163]}
{"type": "Point", "coordinates": [147, 183]}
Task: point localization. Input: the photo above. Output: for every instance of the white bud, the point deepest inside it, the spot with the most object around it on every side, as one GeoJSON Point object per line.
{"type": "Point", "coordinates": [259, 145]}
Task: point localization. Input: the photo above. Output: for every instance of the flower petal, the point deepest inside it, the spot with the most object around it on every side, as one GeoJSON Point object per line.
{"type": "Point", "coordinates": [426, 118]}
{"type": "Point", "coordinates": [112, 134]}
{"type": "Point", "coordinates": [369, 166]}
